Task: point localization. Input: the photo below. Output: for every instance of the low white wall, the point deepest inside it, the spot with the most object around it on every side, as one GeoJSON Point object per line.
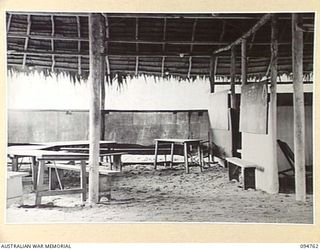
{"type": "Point", "coordinates": [257, 148]}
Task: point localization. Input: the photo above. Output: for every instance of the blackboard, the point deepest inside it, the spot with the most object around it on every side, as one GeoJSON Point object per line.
{"type": "Point", "coordinates": [254, 108]}
{"type": "Point", "coordinates": [218, 110]}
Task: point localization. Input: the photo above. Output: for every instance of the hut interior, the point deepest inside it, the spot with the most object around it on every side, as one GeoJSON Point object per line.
{"type": "Point", "coordinates": [253, 73]}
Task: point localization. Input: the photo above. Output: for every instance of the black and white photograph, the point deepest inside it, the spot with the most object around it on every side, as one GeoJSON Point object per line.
{"type": "Point", "coordinates": [160, 117]}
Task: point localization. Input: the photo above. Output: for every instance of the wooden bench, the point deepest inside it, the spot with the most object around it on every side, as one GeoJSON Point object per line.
{"type": "Point", "coordinates": [244, 168]}
{"type": "Point", "coordinates": [114, 158]}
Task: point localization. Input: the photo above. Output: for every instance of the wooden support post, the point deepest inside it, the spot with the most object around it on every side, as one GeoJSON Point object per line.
{"type": "Point", "coordinates": [244, 61]}
{"type": "Point", "coordinates": [232, 77]}
{"type": "Point", "coordinates": [274, 185]}
{"type": "Point", "coordinates": [102, 107]}
{"type": "Point", "coordinates": [212, 74]}
{"type": "Point", "coordinates": [298, 107]}
{"type": "Point", "coordinates": [97, 30]}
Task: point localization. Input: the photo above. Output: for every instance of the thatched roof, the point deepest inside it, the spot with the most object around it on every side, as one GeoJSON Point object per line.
{"type": "Point", "coordinates": [178, 45]}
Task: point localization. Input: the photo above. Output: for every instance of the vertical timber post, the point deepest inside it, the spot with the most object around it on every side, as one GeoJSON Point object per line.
{"type": "Point", "coordinates": [232, 77]}
{"type": "Point", "coordinates": [102, 107]}
{"type": "Point", "coordinates": [274, 185]}
{"type": "Point", "coordinates": [96, 43]}
{"type": "Point", "coordinates": [212, 74]}
{"type": "Point", "coordinates": [244, 61]}
{"type": "Point", "coordinates": [298, 107]}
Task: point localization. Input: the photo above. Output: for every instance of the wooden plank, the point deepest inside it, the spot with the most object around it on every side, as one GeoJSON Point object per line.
{"type": "Point", "coordinates": [298, 107]}
{"type": "Point", "coordinates": [97, 43]}
{"type": "Point", "coordinates": [273, 106]}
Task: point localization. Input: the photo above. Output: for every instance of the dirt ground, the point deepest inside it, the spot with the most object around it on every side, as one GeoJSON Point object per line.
{"type": "Point", "coordinates": [142, 194]}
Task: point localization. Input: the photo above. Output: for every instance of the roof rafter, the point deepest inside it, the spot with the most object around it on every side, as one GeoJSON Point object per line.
{"type": "Point", "coordinates": [52, 41]}
{"type": "Point", "coordinates": [26, 43]}
{"type": "Point", "coordinates": [194, 26]}
{"type": "Point", "coordinates": [163, 45]}
{"type": "Point", "coordinates": [251, 31]}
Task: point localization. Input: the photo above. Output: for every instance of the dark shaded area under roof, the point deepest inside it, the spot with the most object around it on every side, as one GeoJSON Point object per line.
{"type": "Point", "coordinates": [161, 45]}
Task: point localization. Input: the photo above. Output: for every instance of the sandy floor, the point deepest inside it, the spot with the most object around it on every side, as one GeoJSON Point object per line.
{"type": "Point", "coordinates": [142, 194]}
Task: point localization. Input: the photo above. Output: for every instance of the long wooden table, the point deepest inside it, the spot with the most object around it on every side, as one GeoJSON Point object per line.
{"type": "Point", "coordinates": [41, 155]}
{"type": "Point", "coordinates": [16, 152]}
{"type": "Point", "coordinates": [186, 145]}
{"type": "Point", "coordinates": [52, 149]}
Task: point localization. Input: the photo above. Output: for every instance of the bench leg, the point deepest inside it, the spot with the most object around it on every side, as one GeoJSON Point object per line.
{"type": "Point", "coordinates": [249, 178]}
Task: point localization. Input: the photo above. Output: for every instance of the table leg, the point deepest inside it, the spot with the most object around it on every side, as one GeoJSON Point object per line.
{"type": "Point", "coordinates": [34, 172]}
{"type": "Point", "coordinates": [155, 155]}
{"type": "Point", "coordinates": [83, 181]}
{"type": "Point", "coordinates": [200, 157]}
{"type": "Point", "coordinates": [117, 162]}
{"type": "Point", "coordinates": [185, 145]}
{"type": "Point", "coordinates": [40, 185]}
{"type": "Point", "coordinates": [171, 153]}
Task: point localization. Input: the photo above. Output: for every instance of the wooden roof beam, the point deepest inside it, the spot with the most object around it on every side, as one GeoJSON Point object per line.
{"type": "Point", "coordinates": [79, 44]}
{"type": "Point", "coordinates": [156, 15]}
{"type": "Point", "coordinates": [220, 39]}
{"type": "Point", "coordinates": [137, 46]}
{"type": "Point", "coordinates": [250, 32]}
{"type": "Point", "coordinates": [191, 46]}
{"type": "Point", "coordinates": [9, 23]}
{"type": "Point", "coordinates": [163, 42]}
{"type": "Point", "coordinates": [107, 46]}
{"type": "Point", "coordinates": [52, 42]}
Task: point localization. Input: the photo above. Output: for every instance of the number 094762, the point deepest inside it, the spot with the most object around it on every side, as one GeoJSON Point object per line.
{"type": "Point", "coordinates": [309, 246]}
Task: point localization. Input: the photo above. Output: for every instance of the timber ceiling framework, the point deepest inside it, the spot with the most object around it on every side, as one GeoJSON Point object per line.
{"type": "Point", "coordinates": [184, 46]}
